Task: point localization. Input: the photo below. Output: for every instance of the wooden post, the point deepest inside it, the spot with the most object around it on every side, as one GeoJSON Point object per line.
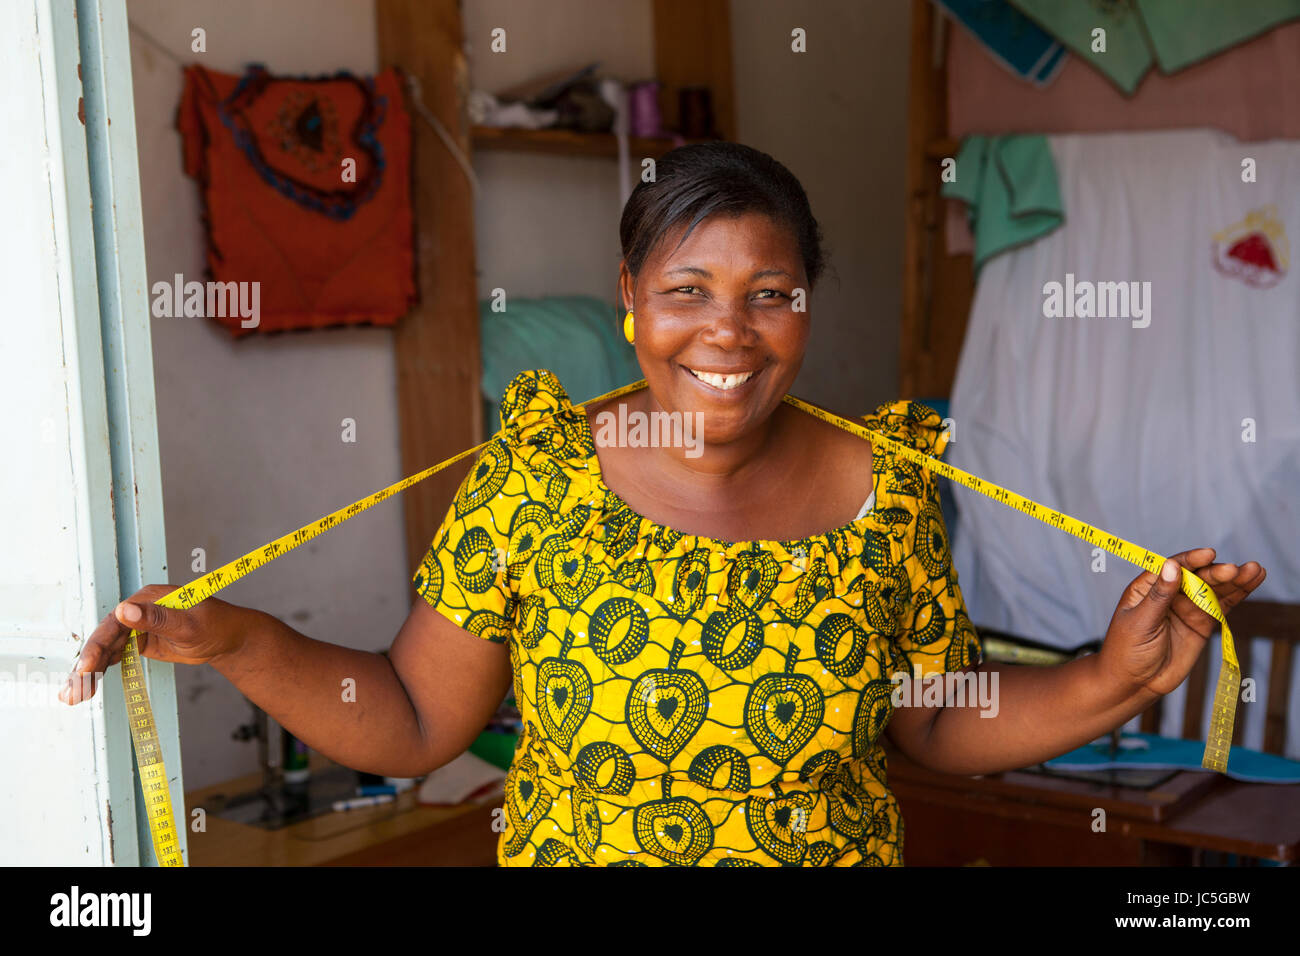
{"type": "Point", "coordinates": [693, 48]}
{"type": "Point", "coordinates": [921, 127]}
{"type": "Point", "coordinates": [937, 287]}
{"type": "Point", "coordinates": [437, 344]}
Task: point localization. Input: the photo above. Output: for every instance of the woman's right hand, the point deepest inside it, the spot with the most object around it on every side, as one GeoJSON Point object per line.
{"type": "Point", "coordinates": [210, 629]}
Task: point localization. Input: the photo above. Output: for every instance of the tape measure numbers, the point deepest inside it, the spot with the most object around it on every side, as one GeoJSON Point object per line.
{"type": "Point", "coordinates": [148, 757]}
{"type": "Point", "coordinates": [144, 731]}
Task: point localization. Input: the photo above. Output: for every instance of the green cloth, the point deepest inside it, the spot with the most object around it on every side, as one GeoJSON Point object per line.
{"type": "Point", "coordinates": [1185, 31]}
{"type": "Point", "coordinates": [579, 338]}
{"type": "Point", "coordinates": [1009, 186]}
{"type": "Point", "coordinates": [1178, 32]}
{"type": "Point", "coordinates": [1127, 57]}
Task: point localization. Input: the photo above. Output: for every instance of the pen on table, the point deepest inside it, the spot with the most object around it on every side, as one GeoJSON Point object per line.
{"type": "Point", "coordinates": [355, 803]}
{"type": "Point", "coordinates": [375, 789]}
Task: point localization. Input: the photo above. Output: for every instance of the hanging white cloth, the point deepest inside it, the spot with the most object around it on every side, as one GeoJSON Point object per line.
{"type": "Point", "coordinates": [1175, 425]}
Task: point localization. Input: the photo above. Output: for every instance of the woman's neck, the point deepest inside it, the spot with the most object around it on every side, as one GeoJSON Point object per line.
{"type": "Point", "coordinates": [727, 490]}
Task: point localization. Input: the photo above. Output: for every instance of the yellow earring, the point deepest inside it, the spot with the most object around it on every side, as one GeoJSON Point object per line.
{"type": "Point", "coordinates": [628, 326]}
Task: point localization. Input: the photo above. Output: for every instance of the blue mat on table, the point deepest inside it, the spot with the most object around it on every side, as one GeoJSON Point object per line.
{"type": "Point", "coordinates": [1160, 753]}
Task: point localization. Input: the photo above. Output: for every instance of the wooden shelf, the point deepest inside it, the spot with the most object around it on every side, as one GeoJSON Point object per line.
{"type": "Point", "coordinates": [565, 142]}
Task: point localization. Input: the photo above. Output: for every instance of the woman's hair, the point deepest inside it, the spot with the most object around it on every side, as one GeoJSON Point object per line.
{"type": "Point", "coordinates": [694, 182]}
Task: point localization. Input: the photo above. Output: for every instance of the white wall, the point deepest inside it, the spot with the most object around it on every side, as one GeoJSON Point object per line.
{"type": "Point", "coordinates": [836, 115]}
{"type": "Point", "coordinates": [249, 431]}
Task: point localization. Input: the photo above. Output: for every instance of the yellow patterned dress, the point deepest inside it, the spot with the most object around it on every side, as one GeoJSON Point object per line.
{"type": "Point", "coordinates": [686, 700]}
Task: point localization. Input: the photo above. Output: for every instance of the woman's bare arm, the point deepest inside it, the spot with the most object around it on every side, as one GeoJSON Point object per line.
{"type": "Point", "coordinates": [401, 715]}
{"type": "Point", "coordinates": [1155, 638]}
{"type": "Point", "coordinates": [1037, 713]}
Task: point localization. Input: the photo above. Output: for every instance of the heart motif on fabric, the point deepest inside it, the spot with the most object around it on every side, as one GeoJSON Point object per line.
{"type": "Point", "coordinates": [783, 711]}
{"type": "Point", "coordinates": [780, 825]}
{"type": "Point", "coordinates": [875, 707]}
{"type": "Point", "coordinates": [751, 578]}
{"type": "Point", "coordinates": [528, 791]}
{"type": "Point", "coordinates": [674, 829]}
{"type": "Point", "coordinates": [563, 695]}
{"type": "Point", "coordinates": [666, 707]}
{"type": "Point", "coordinates": [563, 698]}
{"type": "Point", "coordinates": [690, 584]}
{"type": "Point", "coordinates": [528, 527]}
{"type": "Point", "coordinates": [486, 478]}
{"type": "Point", "coordinates": [526, 796]}
{"type": "Point", "coordinates": [570, 575]}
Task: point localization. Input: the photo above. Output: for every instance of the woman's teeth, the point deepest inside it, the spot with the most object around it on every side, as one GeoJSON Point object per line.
{"type": "Point", "coordinates": [723, 382]}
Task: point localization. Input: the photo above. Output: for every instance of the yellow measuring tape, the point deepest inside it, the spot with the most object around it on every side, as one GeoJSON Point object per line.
{"type": "Point", "coordinates": [144, 732]}
{"type": "Point", "coordinates": [1224, 710]}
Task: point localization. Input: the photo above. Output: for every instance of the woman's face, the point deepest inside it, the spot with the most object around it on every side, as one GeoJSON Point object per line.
{"type": "Point", "coordinates": [721, 304]}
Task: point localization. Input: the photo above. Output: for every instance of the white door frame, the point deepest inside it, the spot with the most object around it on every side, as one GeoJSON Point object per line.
{"type": "Point", "coordinates": [81, 508]}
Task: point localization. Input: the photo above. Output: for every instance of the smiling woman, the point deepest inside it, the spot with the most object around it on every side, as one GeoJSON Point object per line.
{"type": "Point", "coordinates": [720, 253]}
{"type": "Point", "coordinates": [706, 644]}
{"type": "Point", "coordinates": [702, 643]}
{"type": "Point", "coordinates": [707, 639]}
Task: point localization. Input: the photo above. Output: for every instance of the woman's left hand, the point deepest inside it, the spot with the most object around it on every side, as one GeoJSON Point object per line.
{"type": "Point", "coordinates": [1157, 633]}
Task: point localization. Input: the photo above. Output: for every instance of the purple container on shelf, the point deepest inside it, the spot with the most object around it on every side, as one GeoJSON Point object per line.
{"type": "Point", "coordinates": [644, 118]}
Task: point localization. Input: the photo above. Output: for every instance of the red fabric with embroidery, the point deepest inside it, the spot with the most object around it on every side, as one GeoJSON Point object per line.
{"type": "Point", "coordinates": [269, 155]}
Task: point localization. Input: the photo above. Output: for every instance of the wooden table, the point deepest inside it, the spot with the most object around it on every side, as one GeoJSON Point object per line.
{"type": "Point", "coordinates": [401, 833]}
{"type": "Point", "coordinates": [1020, 818]}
